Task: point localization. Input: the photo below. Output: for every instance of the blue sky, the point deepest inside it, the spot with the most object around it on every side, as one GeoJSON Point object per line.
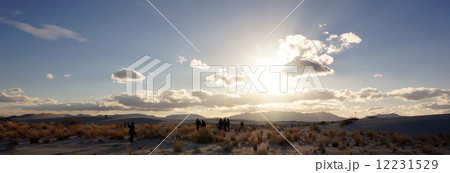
{"type": "Point", "coordinates": [405, 41]}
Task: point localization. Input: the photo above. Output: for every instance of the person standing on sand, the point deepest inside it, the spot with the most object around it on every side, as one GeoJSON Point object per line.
{"type": "Point", "coordinates": [225, 124]}
{"type": "Point", "coordinates": [131, 131]}
{"type": "Point", "coordinates": [203, 123]}
{"type": "Point", "coordinates": [197, 123]}
{"type": "Point", "coordinates": [220, 125]}
{"type": "Point", "coordinates": [228, 124]}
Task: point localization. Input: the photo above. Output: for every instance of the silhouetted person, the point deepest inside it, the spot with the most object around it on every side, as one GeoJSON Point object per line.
{"type": "Point", "coordinates": [198, 123]}
{"type": "Point", "coordinates": [203, 123]}
{"type": "Point", "coordinates": [242, 125]}
{"type": "Point", "coordinates": [131, 131]}
{"type": "Point", "coordinates": [220, 126]}
{"type": "Point", "coordinates": [228, 124]}
{"type": "Point", "coordinates": [225, 124]}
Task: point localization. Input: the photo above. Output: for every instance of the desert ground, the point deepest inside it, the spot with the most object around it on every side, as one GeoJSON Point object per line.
{"type": "Point", "coordinates": [56, 135]}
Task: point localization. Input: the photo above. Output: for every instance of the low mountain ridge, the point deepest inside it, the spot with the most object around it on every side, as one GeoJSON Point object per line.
{"type": "Point", "coordinates": [289, 116]}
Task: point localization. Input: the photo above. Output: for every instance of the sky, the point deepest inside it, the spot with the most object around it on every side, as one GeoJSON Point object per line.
{"type": "Point", "coordinates": [371, 57]}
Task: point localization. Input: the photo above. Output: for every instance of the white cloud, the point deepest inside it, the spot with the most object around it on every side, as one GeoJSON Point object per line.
{"type": "Point", "coordinates": [198, 64]}
{"type": "Point", "coordinates": [15, 90]}
{"type": "Point", "coordinates": [325, 32]}
{"type": "Point", "coordinates": [419, 93]}
{"type": "Point", "coordinates": [331, 37]}
{"type": "Point", "coordinates": [181, 59]}
{"type": "Point", "coordinates": [121, 76]}
{"type": "Point", "coordinates": [349, 38]}
{"type": "Point", "coordinates": [322, 26]}
{"type": "Point", "coordinates": [378, 75]}
{"type": "Point", "coordinates": [67, 75]}
{"type": "Point", "coordinates": [345, 42]}
{"type": "Point", "coordinates": [300, 51]}
{"type": "Point", "coordinates": [5, 98]}
{"type": "Point", "coordinates": [49, 76]}
{"type": "Point", "coordinates": [48, 32]}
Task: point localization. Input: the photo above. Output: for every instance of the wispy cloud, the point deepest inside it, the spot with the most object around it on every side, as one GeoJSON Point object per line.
{"type": "Point", "coordinates": [181, 59]}
{"type": "Point", "coordinates": [322, 26]}
{"type": "Point", "coordinates": [378, 75]}
{"type": "Point", "coordinates": [48, 32]}
{"type": "Point", "coordinates": [49, 76]}
{"type": "Point", "coordinates": [67, 75]}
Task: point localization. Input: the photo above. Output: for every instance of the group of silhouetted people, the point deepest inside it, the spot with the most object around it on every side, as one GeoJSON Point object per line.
{"type": "Point", "coordinates": [199, 124]}
{"type": "Point", "coordinates": [224, 124]}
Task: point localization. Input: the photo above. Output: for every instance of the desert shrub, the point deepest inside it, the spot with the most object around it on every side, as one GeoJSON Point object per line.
{"type": "Point", "coordinates": [226, 146]}
{"type": "Point", "coordinates": [335, 143]}
{"type": "Point", "coordinates": [185, 129]}
{"type": "Point", "coordinates": [12, 126]}
{"type": "Point", "coordinates": [436, 141]}
{"type": "Point", "coordinates": [357, 138]}
{"type": "Point", "coordinates": [399, 139]}
{"type": "Point", "coordinates": [277, 139]}
{"type": "Point", "coordinates": [12, 137]}
{"type": "Point", "coordinates": [61, 134]}
{"type": "Point", "coordinates": [371, 135]}
{"type": "Point", "coordinates": [342, 133]}
{"type": "Point", "coordinates": [312, 136]}
{"type": "Point", "coordinates": [70, 121]}
{"type": "Point", "coordinates": [2, 136]}
{"type": "Point", "coordinates": [347, 121]}
{"type": "Point", "coordinates": [203, 136]}
{"type": "Point", "coordinates": [46, 140]}
{"type": "Point", "coordinates": [315, 127]}
{"type": "Point", "coordinates": [34, 137]}
{"type": "Point", "coordinates": [332, 133]}
{"type": "Point", "coordinates": [177, 146]}
{"type": "Point", "coordinates": [244, 137]}
{"type": "Point", "coordinates": [262, 149]}
{"type": "Point", "coordinates": [24, 130]}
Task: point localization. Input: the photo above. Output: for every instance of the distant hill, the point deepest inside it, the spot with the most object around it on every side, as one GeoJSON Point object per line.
{"type": "Point", "coordinates": [182, 116]}
{"type": "Point", "coordinates": [40, 116]}
{"type": "Point", "coordinates": [289, 116]}
{"type": "Point", "coordinates": [391, 115]}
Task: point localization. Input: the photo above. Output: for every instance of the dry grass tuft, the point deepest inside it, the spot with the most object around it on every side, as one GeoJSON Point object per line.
{"type": "Point", "coordinates": [203, 136]}
{"type": "Point", "coordinates": [177, 146]}
{"type": "Point", "coordinates": [357, 139]}
{"type": "Point", "coordinates": [263, 149]}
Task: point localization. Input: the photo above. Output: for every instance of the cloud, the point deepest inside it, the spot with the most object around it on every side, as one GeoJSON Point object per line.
{"type": "Point", "coordinates": [435, 106]}
{"type": "Point", "coordinates": [345, 41]}
{"type": "Point", "coordinates": [5, 98]}
{"type": "Point", "coordinates": [378, 75]}
{"type": "Point", "coordinates": [49, 76]}
{"type": "Point", "coordinates": [90, 106]}
{"type": "Point", "coordinates": [331, 37]}
{"type": "Point", "coordinates": [181, 59]}
{"type": "Point", "coordinates": [325, 32]}
{"type": "Point", "coordinates": [322, 26]}
{"type": "Point", "coordinates": [121, 76]}
{"type": "Point", "coordinates": [15, 90]}
{"type": "Point", "coordinates": [300, 51]}
{"type": "Point", "coordinates": [48, 32]}
{"type": "Point", "coordinates": [67, 75]}
{"type": "Point", "coordinates": [198, 64]}
{"type": "Point", "coordinates": [348, 39]}
{"type": "Point", "coordinates": [418, 93]}
{"type": "Point", "coordinates": [311, 101]}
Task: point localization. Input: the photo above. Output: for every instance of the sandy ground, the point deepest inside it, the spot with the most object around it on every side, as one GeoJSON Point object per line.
{"type": "Point", "coordinates": [84, 146]}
